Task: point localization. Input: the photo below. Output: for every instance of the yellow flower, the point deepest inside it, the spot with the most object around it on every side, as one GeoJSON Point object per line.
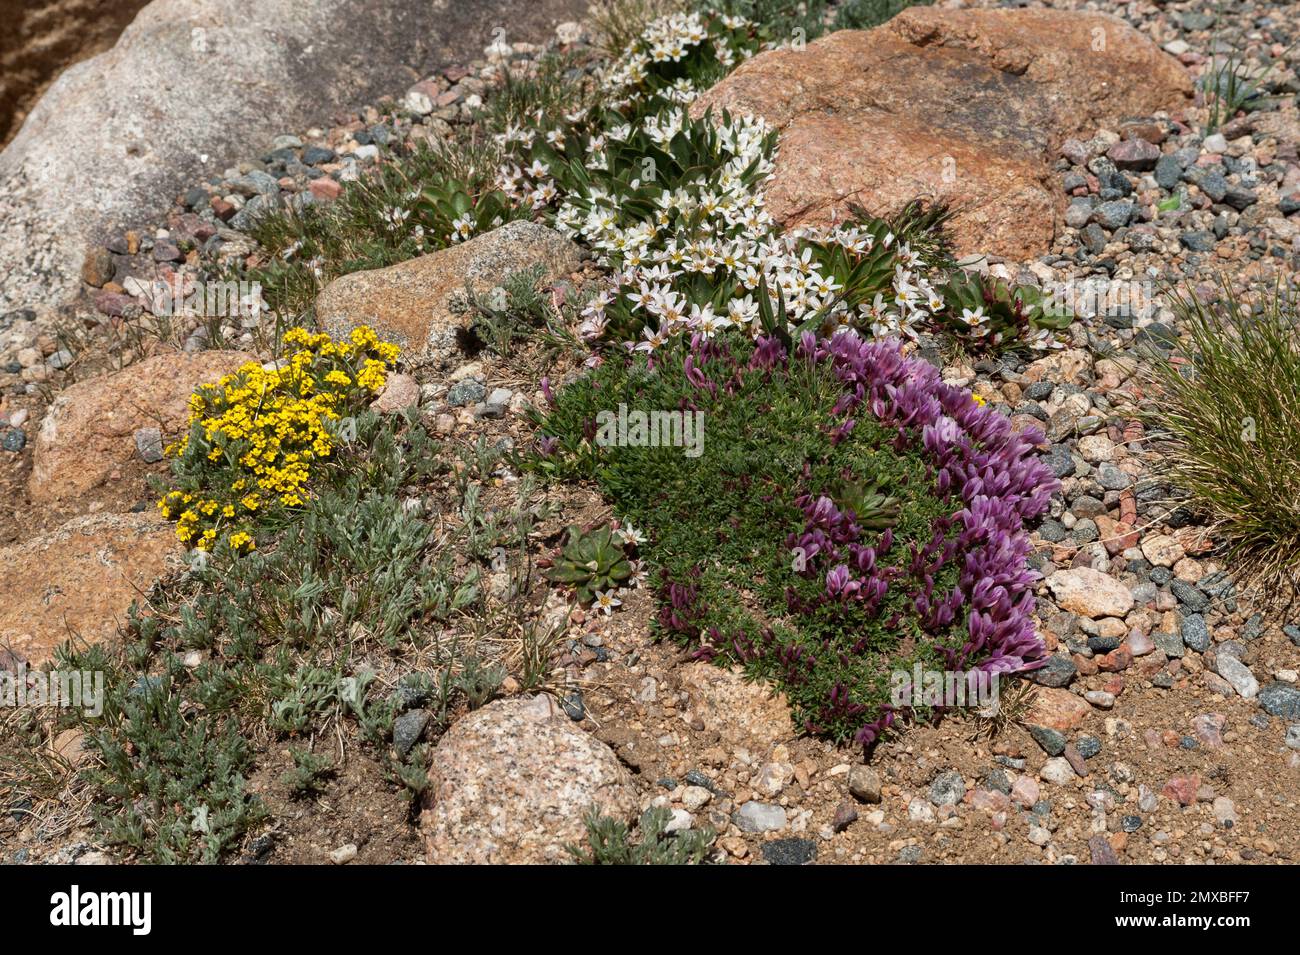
{"type": "Point", "coordinates": [242, 542]}
{"type": "Point", "coordinates": [262, 431]}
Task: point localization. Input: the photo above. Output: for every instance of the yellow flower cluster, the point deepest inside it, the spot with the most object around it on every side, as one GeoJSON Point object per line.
{"type": "Point", "coordinates": [254, 436]}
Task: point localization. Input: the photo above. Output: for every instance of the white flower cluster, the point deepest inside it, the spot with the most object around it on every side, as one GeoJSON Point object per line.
{"type": "Point", "coordinates": [658, 242]}
{"type": "Point", "coordinates": [670, 39]}
{"type": "Point", "coordinates": [748, 261]}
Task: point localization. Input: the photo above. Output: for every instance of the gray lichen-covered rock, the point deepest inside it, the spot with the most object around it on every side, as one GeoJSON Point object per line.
{"type": "Point", "coordinates": [415, 303]}
{"type": "Point", "coordinates": [190, 87]}
{"type": "Point", "coordinates": [510, 783]}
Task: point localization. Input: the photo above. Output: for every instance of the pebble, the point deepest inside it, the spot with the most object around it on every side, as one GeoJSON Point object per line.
{"type": "Point", "coordinates": [1136, 154]}
{"type": "Point", "coordinates": [1025, 791]}
{"type": "Point", "coordinates": [1075, 759]}
{"type": "Point", "coordinates": [1057, 770]}
{"type": "Point", "coordinates": [1225, 813]}
{"type": "Point", "coordinates": [1238, 674]}
{"type": "Point", "coordinates": [1208, 728]}
{"type": "Point", "coordinates": [679, 821]}
{"type": "Point", "coordinates": [864, 784]}
{"type": "Point", "coordinates": [1280, 699]}
{"type": "Point", "coordinates": [465, 392]}
{"type": "Point", "coordinates": [148, 445]}
{"type": "Point", "coordinates": [1089, 592]}
{"type": "Point", "coordinates": [1140, 644]}
{"type": "Point", "coordinates": [573, 706]}
{"type": "Point", "coordinates": [1052, 741]}
{"type": "Point", "coordinates": [407, 730]}
{"type": "Point", "coordinates": [1114, 214]}
{"type": "Point", "coordinates": [1195, 633]}
{"type": "Point", "coordinates": [344, 854]}
{"type": "Point", "coordinates": [789, 851]}
{"type": "Point", "coordinates": [1168, 171]}
{"type": "Point", "coordinates": [947, 788]}
{"type": "Point", "coordinates": [1088, 746]}
{"type": "Point", "coordinates": [1189, 596]}
{"type": "Point", "coordinates": [1100, 699]}
{"type": "Point", "coordinates": [919, 810]}
{"type": "Point", "coordinates": [696, 798]}
{"type": "Point", "coordinates": [1162, 550]}
{"type": "Point", "coordinates": [845, 815]}
{"type": "Point", "coordinates": [1198, 240]}
{"type": "Point", "coordinates": [1100, 851]}
{"type": "Point", "coordinates": [1057, 672]}
{"type": "Point", "coordinates": [759, 817]}
{"type": "Point", "coordinates": [1181, 789]}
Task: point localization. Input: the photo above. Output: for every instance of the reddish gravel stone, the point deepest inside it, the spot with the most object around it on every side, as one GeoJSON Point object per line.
{"type": "Point", "coordinates": [1209, 729]}
{"type": "Point", "coordinates": [1075, 759]}
{"type": "Point", "coordinates": [1137, 154]}
{"type": "Point", "coordinates": [1101, 852]}
{"type": "Point", "coordinates": [1057, 709]}
{"type": "Point", "coordinates": [1151, 664]}
{"type": "Point", "coordinates": [1127, 506]}
{"type": "Point", "coordinates": [1025, 791]}
{"type": "Point", "coordinates": [1182, 789]}
{"type": "Point", "coordinates": [113, 304]}
{"type": "Point", "coordinates": [325, 188]}
{"type": "Point", "coordinates": [989, 800]}
{"type": "Point", "coordinates": [1118, 659]}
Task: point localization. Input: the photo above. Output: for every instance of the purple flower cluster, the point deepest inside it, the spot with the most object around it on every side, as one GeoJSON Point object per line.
{"type": "Point", "coordinates": [991, 475]}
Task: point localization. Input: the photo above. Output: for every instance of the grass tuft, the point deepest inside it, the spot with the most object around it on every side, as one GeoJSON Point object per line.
{"type": "Point", "coordinates": [1226, 422]}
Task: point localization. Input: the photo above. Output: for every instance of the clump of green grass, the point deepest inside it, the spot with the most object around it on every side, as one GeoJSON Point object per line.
{"type": "Point", "coordinates": [403, 209]}
{"type": "Point", "coordinates": [557, 84]}
{"type": "Point", "coordinates": [1226, 421]}
{"type": "Point", "coordinates": [610, 842]}
{"type": "Point", "coordinates": [1231, 86]}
